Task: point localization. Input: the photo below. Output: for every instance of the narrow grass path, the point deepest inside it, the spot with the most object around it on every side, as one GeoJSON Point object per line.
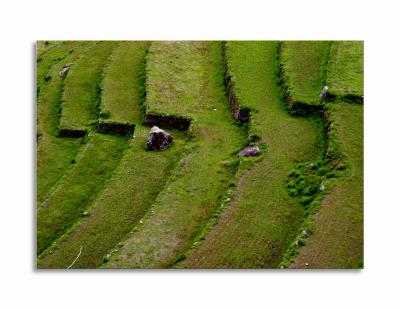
{"type": "Point", "coordinates": [127, 196]}
{"type": "Point", "coordinates": [95, 163]}
{"type": "Point", "coordinates": [54, 154]}
{"type": "Point", "coordinates": [78, 188]}
{"type": "Point", "coordinates": [80, 99]}
{"type": "Point", "coordinates": [132, 189]}
{"type": "Point", "coordinates": [304, 70]}
{"type": "Point", "coordinates": [262, 218]}
{"type": "Point", "coordinates": [345, 75]}
{"type": "Point", "coordinates": [49, 55]}
{"type": "Point", "coordinates": [338, 238]}
{"type": "Point", "coordinates": [119, 100]}
{"type": "Point", "coordinates": [196, 187]}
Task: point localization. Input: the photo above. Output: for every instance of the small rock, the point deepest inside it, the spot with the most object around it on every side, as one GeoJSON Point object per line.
{"type": "Point", "coordinates": [65, 70]}
{"type": "Point", "coordinates": [296, 242]}
{"type": "Point", "coordinates": [303, 233]}
{"type": "Point", "coordinates": [85, 214]}
{"type": "Point", "coordinates": [141, 221]}
{"type": "Point", "coordinates": [251, 150]}
{"type": "Point", "coordinates": [306, 264]}
{"type": "Point", "coordinates": [158, 139]}
{"type": "Point", "coordinates": [311, 165]}
{"type": "Point", "coordinates": [322, 186]}
{"type": "Point", "coordinates": [324, 92]}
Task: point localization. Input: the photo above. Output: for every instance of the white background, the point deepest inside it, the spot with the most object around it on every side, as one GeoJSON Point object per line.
{"type": "Point", "coordinates": [23, 22]}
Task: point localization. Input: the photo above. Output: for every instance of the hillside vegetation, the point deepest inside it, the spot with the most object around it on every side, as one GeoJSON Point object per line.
{"type": "Point", "coordinates": [105, 200]}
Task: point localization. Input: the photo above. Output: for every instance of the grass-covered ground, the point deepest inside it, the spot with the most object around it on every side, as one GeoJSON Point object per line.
{"type": "Point", "coordinates": [338, 238]}
{"type": "Point", "coordinates": [262, 218]}
{"type": "Point", "coordinates": [173, 88]}
{"type": "Point", "coordinates": [49, 54]}
{"type": "Point", "coordinates": [125, 199]}
{"type": "Point", "coordinates": [196, 188]}
{"type": "Point", "coordinates": [120, 89]}
{"type": "Point", "coordinates": [104, 200]}
{"type": "Point", "coordinates": [337, 241]}
{"type": "Point", "coordinates": [303, 69]}
{"type": "Point", "coordinates": [128, 194]}
{"type": "Point", "coordinates": [54, 155]}
{"type": "Point", "coordinates": [74, 193]}
{"type": "Point", "coordinates": [346, 69]}
{"type": "Point", "coordinates": [80, 99]}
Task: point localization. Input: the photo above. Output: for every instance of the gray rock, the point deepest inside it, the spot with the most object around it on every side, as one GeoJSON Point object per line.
{"type": "Point", "coordinates": [249, 151]}
{"type": "Point", "coordinates": [322, 186]}
{"type": "Point", "coordinates": [158, 139]}
{"type": "Point", "coordinates": [65, 70]}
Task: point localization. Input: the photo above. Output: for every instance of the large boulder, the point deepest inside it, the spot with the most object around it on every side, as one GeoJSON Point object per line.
{"type": "Point", "coordinates": [249, 151]}
{"type": "Point", "coordinates": [158, 139]}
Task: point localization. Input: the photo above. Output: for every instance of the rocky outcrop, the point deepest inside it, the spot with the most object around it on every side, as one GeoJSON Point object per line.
{"type": "Point", "coordinates": [158, 139]}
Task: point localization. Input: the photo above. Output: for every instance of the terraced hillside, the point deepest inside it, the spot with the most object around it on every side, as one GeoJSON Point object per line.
{"type": "Point", "coordinates": [262, 218]}
{"type": "Point", "coordinates": [303, 73]}
{"type": "Point", "coordinates": [338, 238]}
{"type": "Point", "coordinates": [104, 200]}
{"type": "Point", "coordinates": [204, 174]}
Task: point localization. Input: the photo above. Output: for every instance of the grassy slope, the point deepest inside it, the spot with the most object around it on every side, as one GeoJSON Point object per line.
{"type": "Point", "coordinates": [173, 98]}
{"type": "Point", "coordinates": [346, 68]}
{"type": "Point", "coordinates": [262, 218]}
{"type": "Point", "coordinates": [338, 238]}
{"type": "Point", "coordinates": [302, 62]}
{"type": "Point", "coordinates": [80, 97]}
{"type": "Point", "coordinates": [74, 192]}
{"type": "Point", "coordinates": [125, 199]}
{"type": "Point", "coordinates": [43, 46]}
{"type": "Point", "coordinates": [195, 189]}
{"type": "Point", "coordinates": [77, 189]}
{"type": "Point", "coordinates": [54, 155]}
{"type": "Point", "coordinates": [120, 87]}
{"type": "Point", "coordinates": [133, 188]}
{"type": "Point", "coordinates": [48, 55]}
